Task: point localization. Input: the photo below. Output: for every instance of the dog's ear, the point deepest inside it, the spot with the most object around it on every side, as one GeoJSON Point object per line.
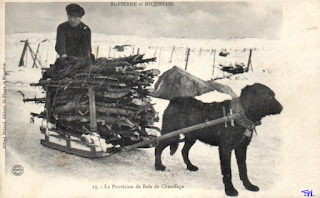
{"type": "Point", "coordinates": [246, 96]}
{"type": "Point", "coordinates": [248, 93]}
{"type": "Point", "coordinates": [248, 90]}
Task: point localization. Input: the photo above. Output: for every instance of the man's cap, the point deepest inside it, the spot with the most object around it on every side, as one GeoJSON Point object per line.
{"type": "Point", "coordinates": [75, 10]}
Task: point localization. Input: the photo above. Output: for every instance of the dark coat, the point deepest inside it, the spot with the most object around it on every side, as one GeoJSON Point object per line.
{"type": "Point", "coordinates": [73, 41]}
{"type": "Point", "coordinates": [258, 101]}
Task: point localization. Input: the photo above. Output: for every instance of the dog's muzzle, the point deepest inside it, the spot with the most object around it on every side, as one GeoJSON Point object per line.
{"type": "Point", "coordinates": [277, 108]}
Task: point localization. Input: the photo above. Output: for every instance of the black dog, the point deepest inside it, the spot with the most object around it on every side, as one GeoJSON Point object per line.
{"type": "Point", "coordinates": [258, 101]}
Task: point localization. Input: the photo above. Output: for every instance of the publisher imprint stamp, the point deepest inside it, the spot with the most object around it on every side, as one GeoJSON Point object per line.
{"type": "Point", "coordinates": [17, 170]}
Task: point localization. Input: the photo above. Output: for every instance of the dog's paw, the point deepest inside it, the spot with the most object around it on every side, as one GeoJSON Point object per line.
{"type": "Point", "coordinates": [231, 192]}
{"type": "Point", "coordinates": [160, 167]}
{"type": "Point", "coordinates": [192, 168]}
{"type": "Point", "coordinates": [252, 187]}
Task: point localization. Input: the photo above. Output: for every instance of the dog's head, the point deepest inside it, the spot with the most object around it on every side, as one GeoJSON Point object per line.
{"type": "Point", "coordinates": [259, 101]}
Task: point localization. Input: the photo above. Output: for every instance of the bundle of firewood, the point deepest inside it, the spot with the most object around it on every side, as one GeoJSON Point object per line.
{"type": "Point", "coordinates": [123, 109]}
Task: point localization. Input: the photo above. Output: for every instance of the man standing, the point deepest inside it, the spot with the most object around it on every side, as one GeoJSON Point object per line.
{"type": "Point", "coordinates": [73, 36]}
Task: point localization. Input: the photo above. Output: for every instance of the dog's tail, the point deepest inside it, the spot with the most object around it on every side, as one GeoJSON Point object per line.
{"type": "Point", "coordinates": [174, 146]}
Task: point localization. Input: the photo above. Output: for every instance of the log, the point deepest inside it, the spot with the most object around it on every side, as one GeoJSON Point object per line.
{"type": "Point", "coordinates": [105, 83]}
{"type": "Point", "coordinates": [125, 132]}
{"type": "Point", "coordinates": [125, 77]}
{"type": "Point", "coordinates": [112, 95]}
{"type": "Point", "coordinates": [115, 95]}
{"type": "Point", "coordinates": [134, 109]}
{"type": "Point", "coordinates": [96, 69]}
{"type": "Point", "coordinates": [118, 90]}
{"type": "Point", "coordinates": [71, 106]}
{"type": "Point", "coordinates": [151, 72]}
{"type": "Point", "coordinates": [70, 70]}
{"type": "Point", "coordinates": [115, 111]}
{"type": "Point", "coordinates": [94, 75]}
{"type": "Point", "coordinates": [117, 64]}
{"type": "Point", "coordinates": [60, 102]}
{"type": "Point", "coordinates": [77, 83]}
{"type": "Point", "coordinates": [102, 104]}
{"type": "Point", "coordinates": [36, 100]}
{"type": "Point", "coordinates": [107, 119]}
{"type": "Point", "coordinates": [38, 115]}
{"type": "Point", "coordinates": [145, 60]}
{"type": "Point", "coordinates": [72, 118]}
{"type": "Point", "coordinates": [121, 77]}
{"type": "Point", "coordinates": [131, 60]}
{"type": "Point", "coordinates": [103, 62]}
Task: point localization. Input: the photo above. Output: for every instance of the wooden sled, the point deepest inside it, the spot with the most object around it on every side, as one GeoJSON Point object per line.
{"type": "Point", "coordinates": [72, 144]}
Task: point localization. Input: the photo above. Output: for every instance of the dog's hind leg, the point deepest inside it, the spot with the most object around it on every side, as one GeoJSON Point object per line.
{"type": "Point", "coordinates": [185, 154]}
{"type": "Point", "coordinates": [158, 151]}
{"type": "Point", "coordinates": [225, 163]}
{"type": "Point", "coordinates": [241, 154]}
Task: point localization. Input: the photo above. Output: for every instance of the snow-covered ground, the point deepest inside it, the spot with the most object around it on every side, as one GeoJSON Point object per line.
{"type": "Point", "coordinates": [50, 173]}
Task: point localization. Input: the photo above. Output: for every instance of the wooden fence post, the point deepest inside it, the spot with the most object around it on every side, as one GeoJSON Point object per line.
{"type": "Point", "coordinates": [214, 61]}
{"type": "Point", "coordinates": [35, 57]}
{"type": "Point", "coordinates": [21, 62]}
{"type": "Point", "coordinates": [97, 51]}
{"type": "Point", "coordinates": [249, 61]}
{"type": "Point", "coordinates": [187, 58]}
{"type": "Point", "coordinates": [172, 54]}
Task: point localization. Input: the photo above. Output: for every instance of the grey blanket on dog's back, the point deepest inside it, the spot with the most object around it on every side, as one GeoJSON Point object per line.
{"type": "Point", "coordinates": [179, 83]}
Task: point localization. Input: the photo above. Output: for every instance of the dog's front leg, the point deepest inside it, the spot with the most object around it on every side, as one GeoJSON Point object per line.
{"type": "Point", "coordinates": [225, 163]}
{"type": "Point", "coordinates": [241, 155]}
